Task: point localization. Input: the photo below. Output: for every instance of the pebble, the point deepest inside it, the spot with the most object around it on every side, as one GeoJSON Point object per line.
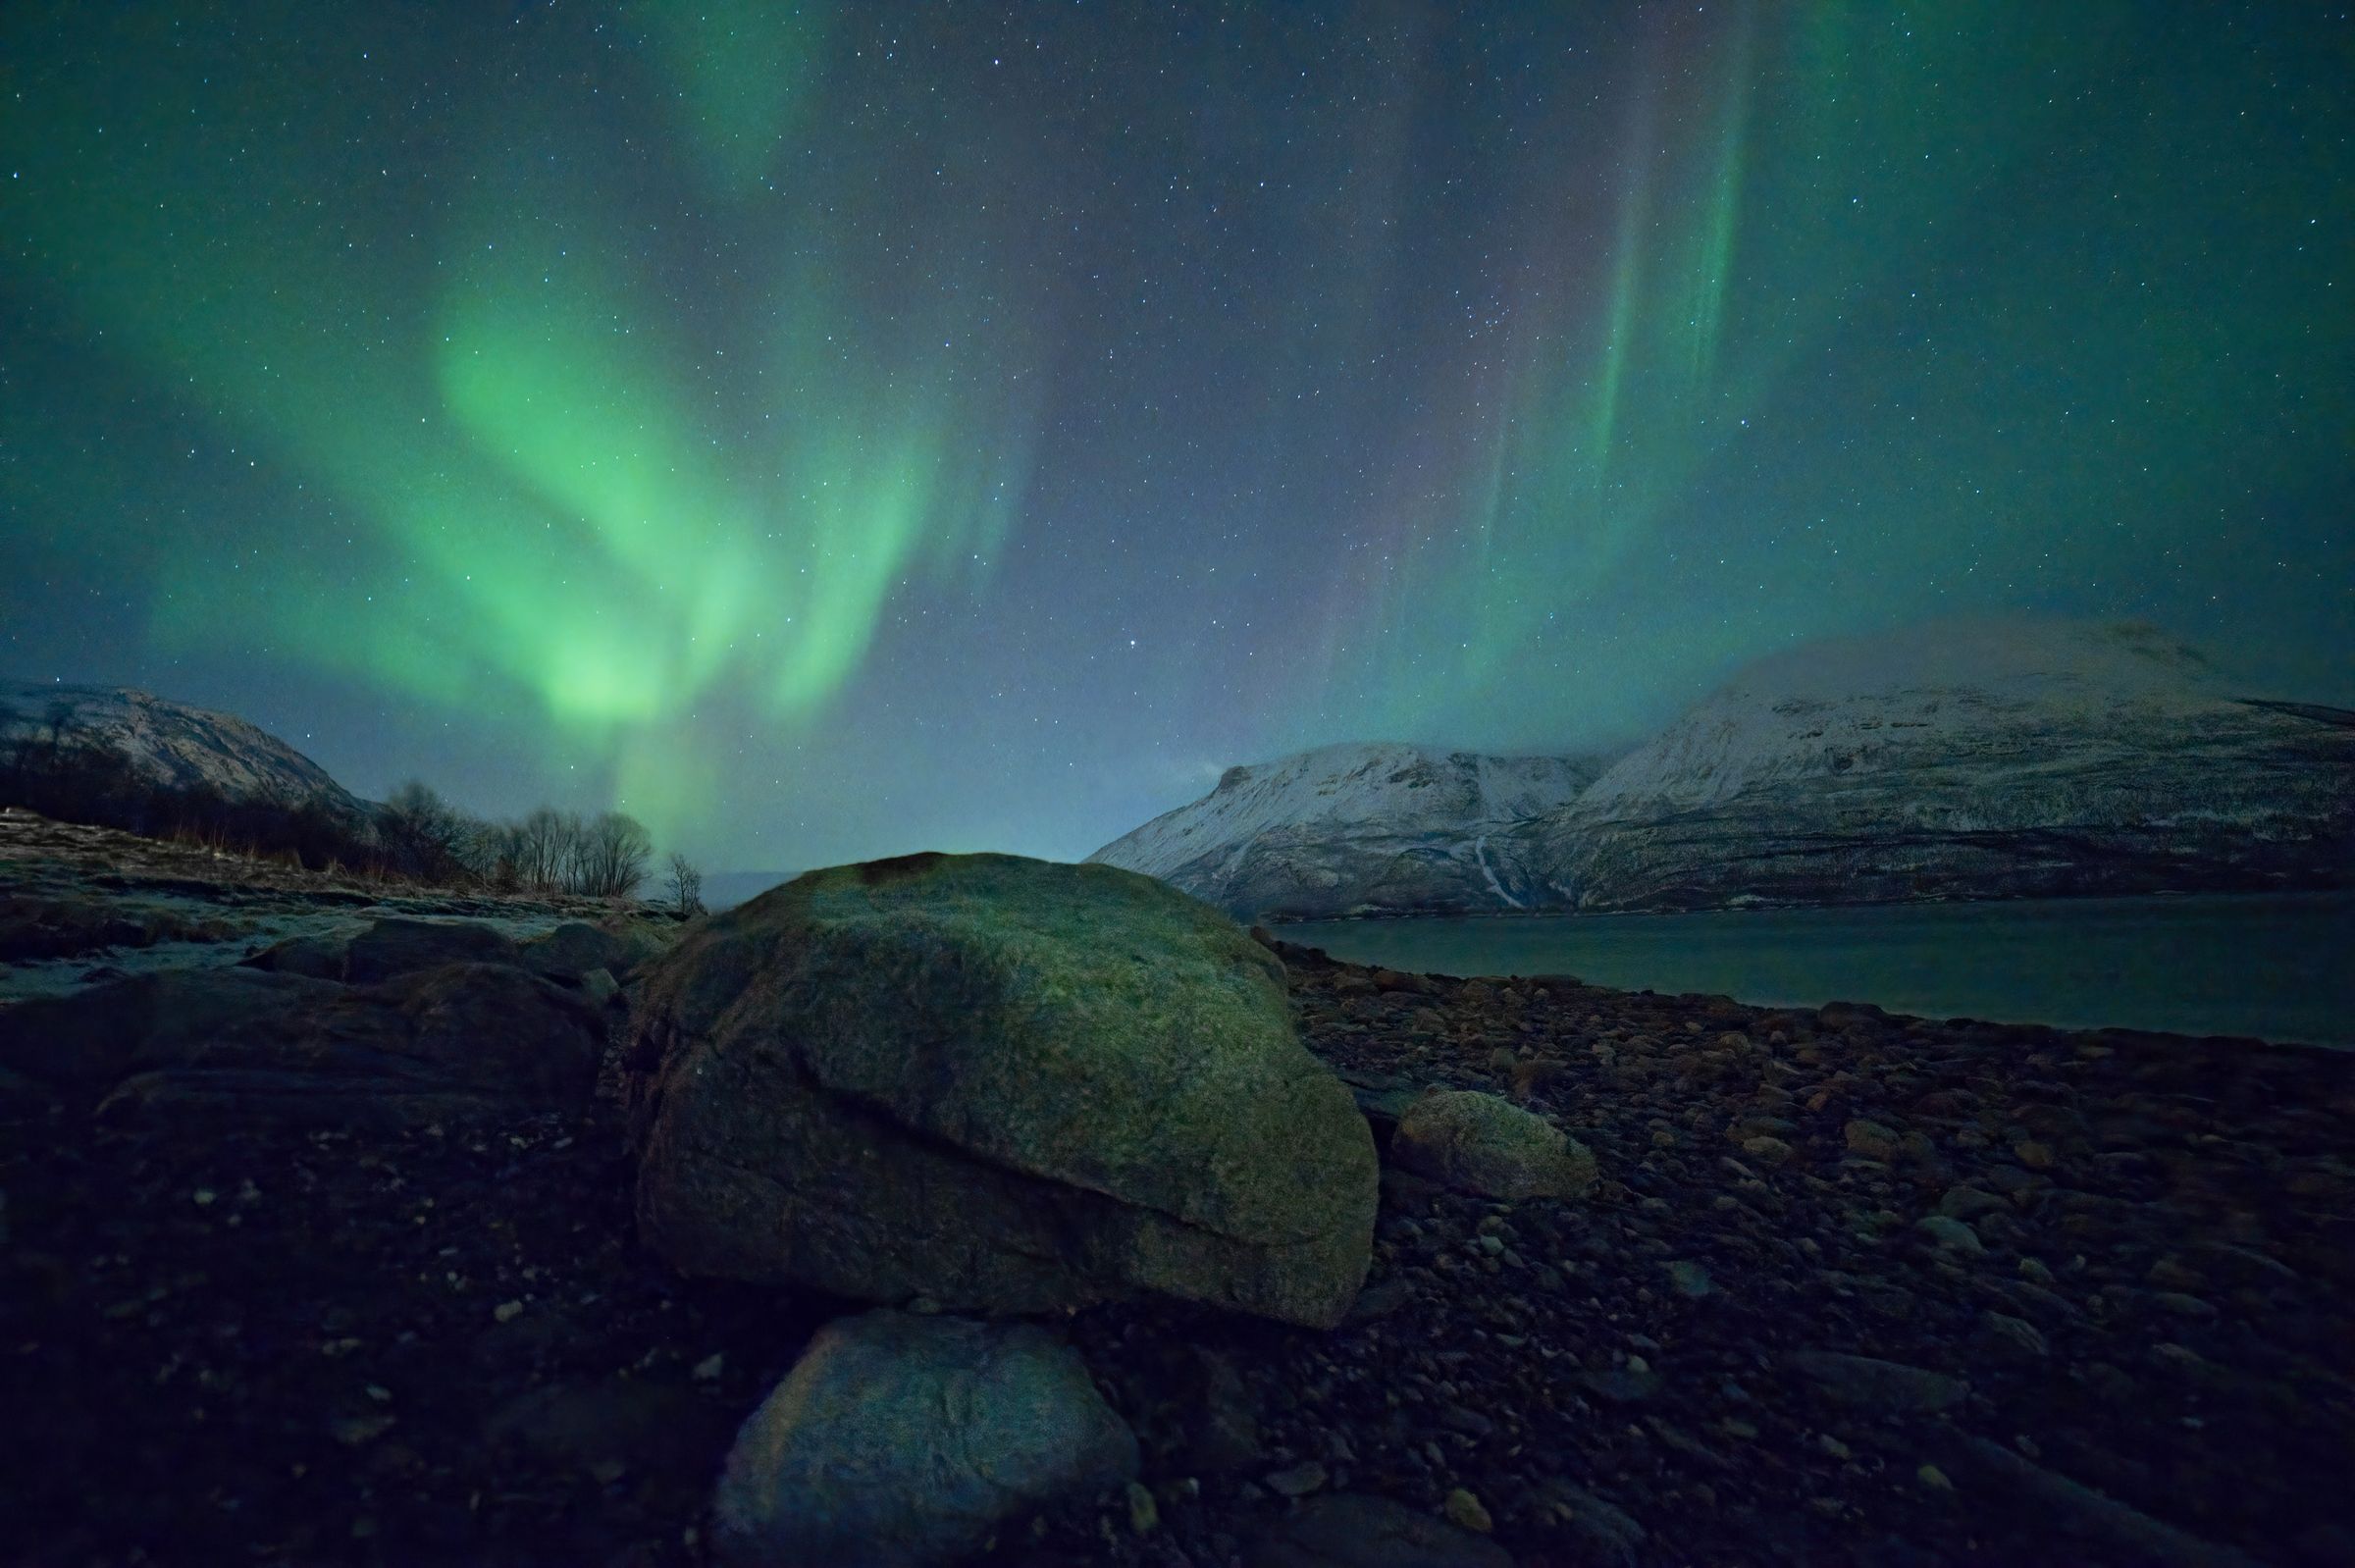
{"type": "Point", "coordinates": [1630, 1384]}
{"type": "Point", "coordinates": [1296, 1481]}
{"type": "Point", "coordinates": [1464, 1510]}
{"type": "Point", "coordinates": [1871, 1139]}
{"type": "Point", "coordinates": [1950, 1234]}
{"type": "Point", "coordinates": [1968, 1203]}
{"type": "Point", "coordinates": [1471, 1422]}
{"type": "Point", "coordinates": [2017, 1335]}
{"type": "Point", "coordinates": [1865, 1382]}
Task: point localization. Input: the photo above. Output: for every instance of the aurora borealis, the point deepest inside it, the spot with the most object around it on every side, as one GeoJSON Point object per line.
{"type": "Point", "coordinates": [841, 429]}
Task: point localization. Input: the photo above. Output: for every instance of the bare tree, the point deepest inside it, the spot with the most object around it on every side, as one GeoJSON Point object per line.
{"type": "Point", "coordinates": [540, 849]}
{"type": "Point", "coordinates": [423, 833]}
{"type": "Point", "coordinates": [685, 886]}
{"type": "Point", "coordinates": [611, 861]}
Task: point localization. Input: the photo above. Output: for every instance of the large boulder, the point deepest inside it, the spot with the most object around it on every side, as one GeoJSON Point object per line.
{"type": "Point", "coordinates": [900, 1440]}
{"type": "Point", "coordinates": [1490, 1147]}
{"type": "Point", "coordinates": [450, 1042]}
{"type": "Point", "coordinates": [1000, 1083]}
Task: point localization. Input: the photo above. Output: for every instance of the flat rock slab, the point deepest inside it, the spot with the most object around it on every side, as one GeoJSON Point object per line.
{"type": "Point", "coordinates": [900, 1440]}
{"type": "Point", "coordinates": [1004, 1085]}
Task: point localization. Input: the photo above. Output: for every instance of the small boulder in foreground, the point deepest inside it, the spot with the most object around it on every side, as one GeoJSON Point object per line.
{"type": "Point", "coordinates": [901, 1440]}
{"type": "Point", "coordinates": [1490, 1147]}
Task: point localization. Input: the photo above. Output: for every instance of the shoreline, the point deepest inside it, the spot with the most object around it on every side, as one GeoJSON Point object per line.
{"type": "Point", "coordinates": [1750, 906]}
{"type": "Point", "coordinates": [2251, 966]}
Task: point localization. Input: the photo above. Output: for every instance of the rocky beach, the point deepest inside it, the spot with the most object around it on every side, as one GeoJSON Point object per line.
{"type": "Point", "coordinates": [1843, 1287]}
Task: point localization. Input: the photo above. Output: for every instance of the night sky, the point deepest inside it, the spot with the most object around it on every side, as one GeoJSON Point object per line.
{"type": "Point", "coordinates": [846, 431]}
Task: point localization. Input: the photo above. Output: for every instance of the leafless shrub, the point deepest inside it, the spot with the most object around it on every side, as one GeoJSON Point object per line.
{"type": "Point", "coordinates": [683, 886]}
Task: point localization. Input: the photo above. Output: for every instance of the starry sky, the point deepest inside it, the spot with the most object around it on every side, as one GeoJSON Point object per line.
{"type": "Point", "coordinates": [840, 430]}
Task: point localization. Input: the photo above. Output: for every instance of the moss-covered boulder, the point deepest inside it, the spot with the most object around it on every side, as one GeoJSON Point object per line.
{"type": "Point", "coordinates": [1000, 1083]}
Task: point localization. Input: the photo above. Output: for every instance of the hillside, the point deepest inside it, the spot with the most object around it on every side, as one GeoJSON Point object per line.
{"type": "Point", "coordinates": [163, 745]}
{"type": "Point", "coordinates": [1966, 759]}
{"type": "Point", "coordinates": [1384, 828]}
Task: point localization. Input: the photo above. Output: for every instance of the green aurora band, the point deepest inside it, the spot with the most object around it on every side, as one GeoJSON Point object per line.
{"type": "Point", "coordinates": [570, 494]}
{"type": "Point", "coordinates": [1826, 170]}
{"type": "Point", "coordinates": [655, 383]}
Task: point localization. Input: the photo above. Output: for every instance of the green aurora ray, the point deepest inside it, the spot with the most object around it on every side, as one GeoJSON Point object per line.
{"type": "Point", "coordinates": [1823, 169]}
{"type": "Point", "coordinates": [639, 392]}
{"type": "Point", "coordinates": [571, 493]}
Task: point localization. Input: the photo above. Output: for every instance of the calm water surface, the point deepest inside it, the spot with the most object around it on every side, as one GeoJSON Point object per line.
{"type": "Point", "coordinates": [2278, 966]}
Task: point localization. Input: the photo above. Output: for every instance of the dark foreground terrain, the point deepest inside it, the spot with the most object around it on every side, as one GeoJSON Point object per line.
{"type": "Point", "coordinates": [2110, 1270]}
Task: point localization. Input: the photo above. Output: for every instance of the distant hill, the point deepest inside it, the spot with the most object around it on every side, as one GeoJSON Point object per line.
{"type": "Point", "coordinates": [1968, 760]}
{"type": "Point", "coordinates": [1362, 829]}
{"type": "Point", "coordinates": [163, 745]}
{"type": "Point", "coordinates": [1952, 760]}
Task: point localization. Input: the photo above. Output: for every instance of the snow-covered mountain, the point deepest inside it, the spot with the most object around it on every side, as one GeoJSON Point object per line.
{"type": "Point", "coordinates": [165, 742]}
{"type": "Point", "coordinates": [1966, 759]}
{"type": "Point", "coordinates": [1360, 830]}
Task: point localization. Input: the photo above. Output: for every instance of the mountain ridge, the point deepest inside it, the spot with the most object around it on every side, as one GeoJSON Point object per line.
{"type": "Point", "coordinates": [169, 745]}
{"type": "Point", "coordinates": [1386, 826]}
{"type": "Point", "coordinates": [1952, 760]}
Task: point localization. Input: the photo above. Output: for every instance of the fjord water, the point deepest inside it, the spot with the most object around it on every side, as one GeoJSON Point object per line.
{"type": "Point", "coordinates": [2275, 966]}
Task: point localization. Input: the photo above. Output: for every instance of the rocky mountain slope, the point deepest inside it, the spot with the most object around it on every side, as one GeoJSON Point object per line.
{"type": "Point", "coordinates": [165, 744]}
{"type": "Point", "coordinates": [1970, 760]}
{"type": "Point", "coordinates": [1364, 829]}
{"type": "Point", "coordinates": [1962, 759]}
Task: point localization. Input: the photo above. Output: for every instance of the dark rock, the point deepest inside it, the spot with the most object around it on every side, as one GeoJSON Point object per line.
{"type": "Point", "coordinates": [455, 1040]}
{"type": "Point", "coordinates": [1884, 1387]}
{"type": "Point", "coordinates": [619, 947]}
{"type": "Point", "coordinates": [2080, 1511]}
{"type": "Point", "coordinates": [1296, 1481]}
{"type": "Point", "coordinates": [1620, 1385]}
{"type": "Point", "coordinates": [385, 948]}
{"type": "Point", "coordinates": [1348, 1530]}
{"type": "Point", "coordinates": [390, 947]}
{"type": "Point", "coordinates": [1226, 1429]}
{"type": "Point", "coordinates": [94, 1038]}
{"type": "Point", "coordinates": [1603, 1534]}
{"type": "Point", "coordinates": [1381, 1299]}
{"type": "Point", "coordinates": [901, 1440]}
{"type": "Point", "coordinates": [319, 958]}
{"type": "Point", "coordinates": [644, 1425]}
